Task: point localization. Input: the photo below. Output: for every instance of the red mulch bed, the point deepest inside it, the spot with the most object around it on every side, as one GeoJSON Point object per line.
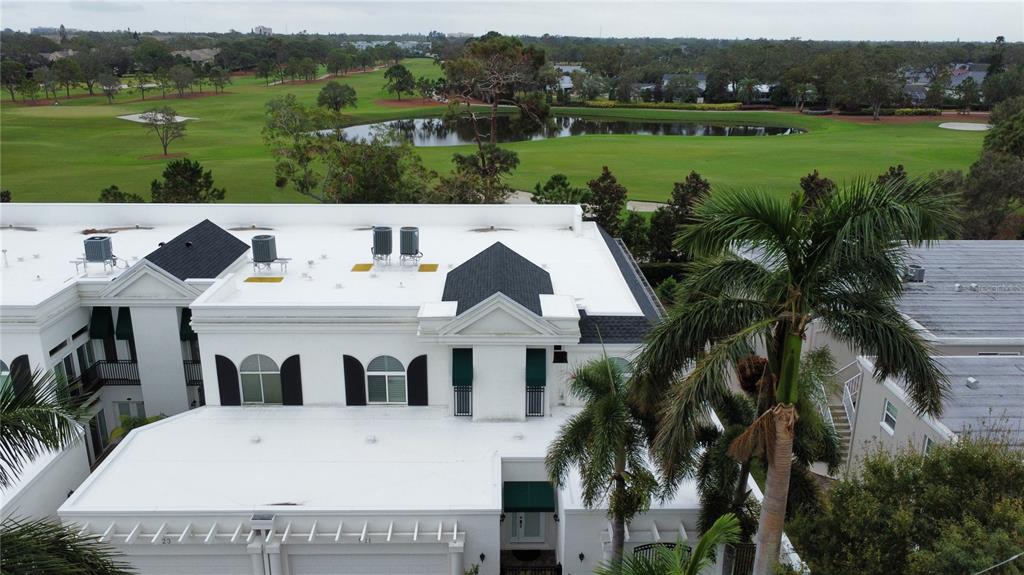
{"type": "Point", "coordinates": [409, 103]}
{"type": "Point", "coordinates": [163, 157]}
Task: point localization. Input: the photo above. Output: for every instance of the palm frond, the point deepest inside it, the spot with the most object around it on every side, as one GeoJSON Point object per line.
{"type": "Point", "coordinates": [748, 218]}
{"type": "Point", "coordinates": [44, 546]}
{"type": "Point", "coordinates": [725, 531]}
{"type": "Point", "coordinates": [876, 327]}
{"type": "Point", "coordinates": [35, 420]}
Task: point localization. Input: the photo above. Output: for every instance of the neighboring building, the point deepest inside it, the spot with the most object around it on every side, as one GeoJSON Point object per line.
{"type": "Point", "coordinates": [960, 72]}
{"type": "Point", "coordinates": [377, 410]}
{"type": "Point", "coordinates": [199, 55]}
{"type": "Point", "coordinates": [701, 79]}
{"type": "Point", "coordinates": [263, 31]}
{"type": "Point", "coordinates": [58, 55]}
{"type": "Point", "coordinates": [967, 300]}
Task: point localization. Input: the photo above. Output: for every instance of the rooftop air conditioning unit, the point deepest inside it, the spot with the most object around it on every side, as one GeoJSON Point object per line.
{"type": "Point", "coordinates": [381, 243]}
{"type": "Point", "coordinates": [915, 273]}
{"type": "Point", "coordinates": [409, 244]}
{"type": "Point", "coordinates": [264, 249]}
{"type": "Point", "coordinates": [99, 249]}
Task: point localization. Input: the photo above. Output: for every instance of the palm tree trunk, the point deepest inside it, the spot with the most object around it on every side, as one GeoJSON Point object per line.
{"type": "Point", "coordinates": [618, 526]}
{"type": "Point", "coordinates": [739, 494]}
{"type": "Point", "coordinates": [776, 492]}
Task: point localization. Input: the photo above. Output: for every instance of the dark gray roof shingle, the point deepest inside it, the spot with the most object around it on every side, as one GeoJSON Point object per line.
{"type": "Point", "coordinates": [623, 328]}
{"type": "Point", "coordinates": [202, 251]}
{"type": "Point", "coordinates": [497, 269]}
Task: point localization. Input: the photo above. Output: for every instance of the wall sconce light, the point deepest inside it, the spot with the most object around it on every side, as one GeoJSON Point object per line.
{"type": "Point", "coordinates": [501, 518]}
{"type": "Point", "coordinates": [556, 518]}
{"type": "Point", "coordinates": [482, 557]}
{"type": "Point", "coordinates": [581, 557]}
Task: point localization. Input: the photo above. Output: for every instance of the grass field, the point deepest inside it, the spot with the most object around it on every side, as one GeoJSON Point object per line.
{"type": "Point", "coordinates": [71, 151]}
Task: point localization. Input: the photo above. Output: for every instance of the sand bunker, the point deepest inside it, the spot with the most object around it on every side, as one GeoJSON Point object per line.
{"type": "Point", "coordinates": [964, 126]}
{"type": "Point", "coordinates": [141, 118]}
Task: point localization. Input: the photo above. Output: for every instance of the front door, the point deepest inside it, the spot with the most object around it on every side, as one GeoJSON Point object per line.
{"type": "Point", "coordinates": [529, 528]}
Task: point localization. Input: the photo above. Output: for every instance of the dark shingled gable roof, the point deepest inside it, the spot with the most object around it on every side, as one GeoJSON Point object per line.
{"type": "Point", "coordinates": [497, 269]}
{"type": "Point", "coordinates": [202, 251]}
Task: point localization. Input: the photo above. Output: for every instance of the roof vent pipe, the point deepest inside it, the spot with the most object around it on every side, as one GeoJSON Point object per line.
{"type": "Point", "coordinates": [973, 383]}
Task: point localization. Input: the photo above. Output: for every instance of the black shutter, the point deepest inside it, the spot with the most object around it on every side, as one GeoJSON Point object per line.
{"type": "Point", "coordinates": [291, 381]}
{"type": "Point", "coordinates": [109, 349]}
{"type": "Point", "coordinates": [21, 374]}
{"type": "Point", "coordinates": [417, 379]}
{"type": "Point", "coordinates": [227, 382]}
{"type": "Point", "coordinates": [355, 382]}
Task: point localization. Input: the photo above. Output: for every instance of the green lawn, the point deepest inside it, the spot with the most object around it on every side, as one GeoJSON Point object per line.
{"type": "Point", "coordinates": [71, 151]}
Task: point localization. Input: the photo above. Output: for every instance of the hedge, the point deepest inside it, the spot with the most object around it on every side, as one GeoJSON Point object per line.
{"type": "Point", "coordinates": [918, 112]}
{"type": "Point", "coordinates": [664, 105]}
{"type": "Point", "coordinates": [657, 272]}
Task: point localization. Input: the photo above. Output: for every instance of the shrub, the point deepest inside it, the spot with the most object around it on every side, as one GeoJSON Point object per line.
{"type": "Point", "coordinates": [918, 112]}
{"type": "Point", "coordinates": [657, 272]}
{"type": "Point", "coordinates": [665, 105]}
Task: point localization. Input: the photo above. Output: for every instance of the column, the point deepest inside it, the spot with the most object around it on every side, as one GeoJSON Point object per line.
{"type": "Point", "coordinates": [160, 365]}
{"type": "Point", "coordinates": [455, 554]}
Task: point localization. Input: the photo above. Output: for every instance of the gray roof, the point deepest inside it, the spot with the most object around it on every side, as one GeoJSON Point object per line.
{"type": "Point", "coordinates": [990, 299]}
{"type": "Point", "coordinates": [623, 328]}
{"type": "Point", "coordinates": [202, 251]}
{"type": "Point", "coordinates": [497, 269]}
{"type": "Point", "coordinates": [995, 407]}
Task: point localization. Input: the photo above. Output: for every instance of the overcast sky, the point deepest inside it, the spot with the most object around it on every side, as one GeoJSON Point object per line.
{"type": "Point", "coordinates": [820, 19]}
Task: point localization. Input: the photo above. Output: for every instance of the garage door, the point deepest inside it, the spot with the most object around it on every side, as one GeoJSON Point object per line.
{"type": "Point", "coordinates": [192, 564]}
{"type": "Point", "coordinates": [433, 564]}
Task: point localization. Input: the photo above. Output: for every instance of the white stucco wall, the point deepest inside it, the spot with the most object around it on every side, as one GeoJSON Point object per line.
{"type": "Point", "coordinates": [499, 383]}
{"type": "Point", "coordinates": [41, 494]}
{"type": "Point", "coordinates": [159, 357]}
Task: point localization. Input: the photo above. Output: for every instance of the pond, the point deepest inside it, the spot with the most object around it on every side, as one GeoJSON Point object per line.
{"type": "Point", "coordinates": [452, 132]}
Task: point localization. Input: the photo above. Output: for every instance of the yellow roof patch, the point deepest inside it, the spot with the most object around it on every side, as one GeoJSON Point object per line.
{"type": "Point", "coordinates": [264, 279]}
{"type": "Point", "coordinates": [362, 267]}
{"type": "Point", "coordinates": [428, 268]}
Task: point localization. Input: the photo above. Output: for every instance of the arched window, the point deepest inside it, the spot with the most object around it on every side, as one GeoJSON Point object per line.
{"type": "Point", "coordinates": [385, 381]}
{"type": "Point", "coordinates": [624, 366]}
{"type": "Point", "coordinates": [261, 380]}
{"type": "Point", "coordinates": [5, 372]}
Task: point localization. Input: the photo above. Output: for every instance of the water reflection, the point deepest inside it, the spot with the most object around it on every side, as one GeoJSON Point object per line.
{"type": "Point", "coordinates": [449, 132]}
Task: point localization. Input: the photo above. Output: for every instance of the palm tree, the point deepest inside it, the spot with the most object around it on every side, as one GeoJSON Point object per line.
{"type": "Point", "coordinates": [34, 419]}
{"type": "Point", "coordinates": [607, 445]}
{"type": "Point", "coordinates": [679, 560]}
{"type": "Point", "coordinates": [37, 417]}
{"type": "Point", "coordinates": [764, 269]}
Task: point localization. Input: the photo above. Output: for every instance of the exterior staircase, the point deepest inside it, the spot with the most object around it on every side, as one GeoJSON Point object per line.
{"type": "Point", "coordinates": [842, 425]}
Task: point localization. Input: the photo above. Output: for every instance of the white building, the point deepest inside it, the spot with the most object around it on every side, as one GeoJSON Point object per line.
{"type": "Point", "coordinates": [967, 299]}
{"type": "Point", "coordinates": [263, 31]}
{"type": "Point", "coordinates": [363, 412]}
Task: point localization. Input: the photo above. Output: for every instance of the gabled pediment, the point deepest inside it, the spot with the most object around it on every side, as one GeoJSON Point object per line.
{"type": "Point", "coordinates": [145, 282]}
{"type": "Point", "coordinates": [498, 315]}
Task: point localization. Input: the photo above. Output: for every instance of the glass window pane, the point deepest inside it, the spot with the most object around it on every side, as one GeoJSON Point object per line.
{"type": "Point", "coordinates": [251, 363]}
{"type": "Point", "coordinates": [396, 388]}
{"type": "Point", "coordinates": [252, 390]}
{"type": "Point", "coordinates": [531, 524]}
{"type": "Point", "coordinates": [124, 409]}
{"type": "Point", "coordinates": [376, 388]}
{"type": "Point", "coordinates": [272, 388]}
{"type": "Point", "coordinates": [385, 363]}
{"type": "Point", "coordinates": [267, 364]}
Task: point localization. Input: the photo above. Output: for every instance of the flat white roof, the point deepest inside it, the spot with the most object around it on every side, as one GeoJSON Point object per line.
{"type": "Point", "coordinates": [41, 241]}
{"type": "Point", "coordinates": [362, 459]}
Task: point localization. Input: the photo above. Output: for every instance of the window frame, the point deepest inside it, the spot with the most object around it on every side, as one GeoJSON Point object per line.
{"type": "Point", "coordinates": [261, 373]}
{"type": "Point", "coordinates": [5, 372]}
{"type": "Point", "coordinates": [889, 427]}
{"type": "Point", "coordinates": [387, 375]}
{"type": "Point", "coordinates": [928, 445]}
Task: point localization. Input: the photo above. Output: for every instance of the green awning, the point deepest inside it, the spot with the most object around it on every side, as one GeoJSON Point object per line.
{"type": "Point", "coordinates": [529, 496]}
{"type": "Point", "coordinates": [185, 332]}
{"type": "Point", "coordinates": [536, 367]}
{"type": "Point", "coordinates": [462, 367]}
{"type": "Point", "coordinates": [124, 324]}
{"type": "Point", "coordinates": [101, 324]}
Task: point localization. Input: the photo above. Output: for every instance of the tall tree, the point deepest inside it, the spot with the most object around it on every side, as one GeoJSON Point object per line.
{"type": "Point", "coordinates": [164, 123]}
{"type": "Point", "coordinates": [398, 80]}
{"type": "Point", "coordinates": [335, 96]}
{"type": "Point", "coordinates": [559, 190]}
{"type": "Point", "coordinates": [114, 195]}
{"type": "Point", "coordinates": [11, 75]}
{"type": "Point", "coordinates": [68, 74]}
{"type": "Point", "coordinates": [110, 84]}
{"type": "Point", "coordinates": [607, 446]}
{"type": "Point", "coordinates": [838, 264]}
{"type": "Point", "coordinates": [185, 182]}
{"type": "Point", "coordinates": [181, 76]}
{"type": "Point", "coordinates": [607, 200]}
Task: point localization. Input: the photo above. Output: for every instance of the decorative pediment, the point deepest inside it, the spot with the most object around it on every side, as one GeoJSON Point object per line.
{"type": "Point", "coordinates": [145, 283]}
{"type": "Point", "coordinates": [498, 316]}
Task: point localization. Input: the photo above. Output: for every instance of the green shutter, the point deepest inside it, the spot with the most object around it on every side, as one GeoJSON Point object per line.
{"type": "Point", "coordinates": [185, 332]}
{"type": "Point", "coordinates": [527, 496]}
{"type": "Point", "coordinates": [101, 324]}
{"type": "Point", "coordinates": [124, 324]}
{"type": "Point", "coordinates": [462, 367]}
{"type": "Point", "coordinates": [536, 368]}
